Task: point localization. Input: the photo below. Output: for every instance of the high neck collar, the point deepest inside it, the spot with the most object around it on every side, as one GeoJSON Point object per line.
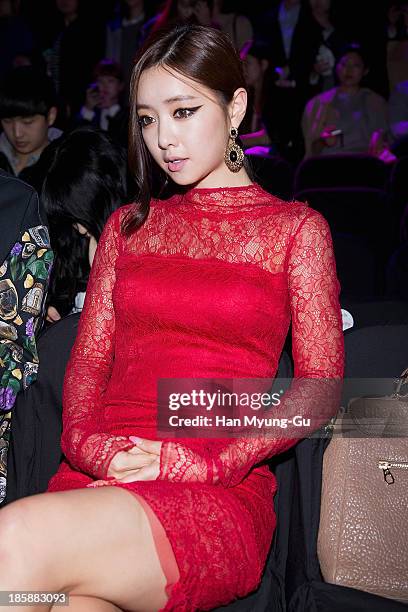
{"type": "Point", "coordinates": [224, 197]}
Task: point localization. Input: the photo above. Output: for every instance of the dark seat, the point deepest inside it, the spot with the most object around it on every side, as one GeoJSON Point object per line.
{"type": "Point", "coordinates": [378, 351]}
{"type": "Point", "coordinates": [357, 211]}
{"type": "Point", "coordinates": [399, 184]}
{"type": "Point", "coordinates": [367, 313]}
{"type": "Point", "coordinates": [375, 357]}
{"type": "Point", "coordinates": [358, 268]}
{"type": "Point", "coordinates": [397, 274]}
{"type": "Point", "coordinates": [341, 171]}
{"type": "Point", "coordinates": [274, 174]}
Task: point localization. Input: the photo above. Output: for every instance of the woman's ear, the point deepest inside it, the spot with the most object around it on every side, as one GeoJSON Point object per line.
{"type": "Point", "coordinates": [238, 106]}
{"type": "Point", "coordinates": [264, 65]}
{"type": "Point", "coordinates": [52, 115]}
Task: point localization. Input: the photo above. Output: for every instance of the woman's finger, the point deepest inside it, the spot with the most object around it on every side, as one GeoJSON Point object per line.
{"type": "Point", "coordinates": [130, 476]}
{"type": "Point", "coordinates": [150, 472]}
{"type": "Point", "coordinates": [101, 483]}
{"type": "Point", "coordinates": [149, 446]}
{"type": "Point", "coordinates": [131, 462]}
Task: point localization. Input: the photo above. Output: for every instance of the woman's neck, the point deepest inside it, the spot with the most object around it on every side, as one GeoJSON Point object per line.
{"type": "Point", "coordinates": [233, 179]}
{"type": "Point", "coordinates": [258, 97]}
{"type": "Point", "coordinates": [288, 4]}
{"type": "Point", "coordinates": [68, 19]}
{"type": "Point", "coordinates": [323, 19]}
{"type": "Point", "coordinates": [352, 89]}
{"type": "Point", "coordinates": [135, 12]}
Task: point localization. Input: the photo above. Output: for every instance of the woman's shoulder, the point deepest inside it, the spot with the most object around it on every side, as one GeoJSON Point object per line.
{"type": "Point", "coordinates": [293, 215]}
{"type": "Point", "coordinates": [326, 97]}
{"type": "Point", "coordinates": [373, 97]}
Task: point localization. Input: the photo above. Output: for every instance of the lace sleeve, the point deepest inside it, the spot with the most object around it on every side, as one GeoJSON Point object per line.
{"type": "Point", "coordinates": [319, 359]}
{"type": "Point", "coordinates": [83, 441]}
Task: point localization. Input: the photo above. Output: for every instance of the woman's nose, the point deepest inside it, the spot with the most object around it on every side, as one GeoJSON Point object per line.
{"type": "Point", "coordinates": [166, 135]}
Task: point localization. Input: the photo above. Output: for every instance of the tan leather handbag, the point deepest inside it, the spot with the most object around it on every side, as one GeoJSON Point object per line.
{"type": "Point", "coordinates": [363, 532]}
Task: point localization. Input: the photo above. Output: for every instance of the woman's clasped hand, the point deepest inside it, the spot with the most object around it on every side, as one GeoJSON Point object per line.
{"type": "Point", "coordinates": [142, 462]}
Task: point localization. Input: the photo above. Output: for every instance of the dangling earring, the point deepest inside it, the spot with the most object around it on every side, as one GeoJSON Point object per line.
{"type": "Point", "coordinates": [234, 155]}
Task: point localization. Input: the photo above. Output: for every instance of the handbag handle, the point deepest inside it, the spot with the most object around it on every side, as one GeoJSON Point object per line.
{"type": "Point", "coordinates": [399, 383]}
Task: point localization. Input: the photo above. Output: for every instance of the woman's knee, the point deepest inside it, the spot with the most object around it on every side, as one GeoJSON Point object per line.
{"type": "Point", "coordinates": [14, 535]}
{"type": "Point", "coordinates": [21, 536]}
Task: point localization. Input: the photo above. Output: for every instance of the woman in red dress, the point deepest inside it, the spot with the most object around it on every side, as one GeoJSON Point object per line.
{"type": "Point", "coordinates": [201, 285]}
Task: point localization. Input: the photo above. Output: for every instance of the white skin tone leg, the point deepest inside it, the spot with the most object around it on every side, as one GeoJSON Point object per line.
{"type": "Point", "coordinates": [89, 542]}
{"type": "Point", "coordinates": [96, 542]}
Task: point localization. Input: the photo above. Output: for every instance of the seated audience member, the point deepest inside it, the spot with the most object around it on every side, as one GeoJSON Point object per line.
{"type": "Point", "coordinates": [253, 132]}
{"type": "Point", "coordinates": [238, 27]}
{"type": "Point", "coordinates": [397, 42]}
{"type": "Point", "coordinates": [323, 74]}
{"type": "Point", "coordinates": [125, 33]}
{"type": "Point", "coordinates": [398, 117]}
{"type": "Point", "coordinates": [397, 20]}
{"type": "Point", "coordinates": [103, 107]}
{"type": "Point", "coordinates": [25, 262]}
{"type": "Point", "coordinates": [178, 12]}
{"type": "Point", "coordinates": [294, 39]}
{"type": "Point", "coordinates": [16, 38]}
{"type": "Point", "coordinates": [76, 45]}
{"type": "Point", "coordinates": [28, 110]}
{"type": "Point", "coordinates": [348, 118]}
{"type": "Point", "coordinates": [85, 184]}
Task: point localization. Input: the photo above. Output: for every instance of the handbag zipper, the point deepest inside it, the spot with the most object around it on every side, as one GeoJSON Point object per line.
{"type": "Point", "coordinates": [385, 466]}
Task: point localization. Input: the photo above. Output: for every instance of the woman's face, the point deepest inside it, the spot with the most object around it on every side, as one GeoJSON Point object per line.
{"type": "Point", "coordinates": [351, 70]}
{"type": "Point", "coordinates": [185, 128]}
{"type": "Point", "coordinates": [135, 4]}
{"type": "Point", "coordinates": [68, 7]}
{"type": "Point", "coordinates": [81, 229]}
{"type": "Point", "coordinates": [185, 9]}
{"type": "Point", "coordinates": [253, 70]}
{"type": "Point", "coordinates": [320, 6]}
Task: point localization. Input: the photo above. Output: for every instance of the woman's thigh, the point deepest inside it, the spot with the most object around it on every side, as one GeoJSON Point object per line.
{"type": "Point", "coordinates": [94, 542]}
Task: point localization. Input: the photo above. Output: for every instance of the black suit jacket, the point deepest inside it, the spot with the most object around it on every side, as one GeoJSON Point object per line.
{"type": "Point", "coordinates": [306, 41]}
{"type": "Point", "coordinates": [20, 208]}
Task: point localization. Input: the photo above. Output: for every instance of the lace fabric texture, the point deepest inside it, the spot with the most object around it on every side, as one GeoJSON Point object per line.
{"type": "Point", "coordinates": [206, 288]}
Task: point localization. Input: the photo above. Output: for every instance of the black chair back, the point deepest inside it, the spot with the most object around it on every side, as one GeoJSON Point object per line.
{"type": "Point", "coordinates": [341, 171]}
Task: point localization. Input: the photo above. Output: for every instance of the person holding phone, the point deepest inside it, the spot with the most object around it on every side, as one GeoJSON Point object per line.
{"type": "Point", "coordinates": [103, 103]}
{"type": "Point", "coordinates": [348, 118]}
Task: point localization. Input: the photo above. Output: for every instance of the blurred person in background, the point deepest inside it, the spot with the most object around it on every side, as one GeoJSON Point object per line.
{"type": "Point", "coordinates": [16, 38]}
{"type": "Point", "coordinates": [349, 118]}
{"type": "Point", "coordinates": [28, 110]}
{"type": "Point", "coordinates": [398, 116]}
{"type": "Point", "coordinates": [397, 20]}
{"type": "Point", "coordinates": [85, 182]}
{"type": "Point", "coordinates": [323, 74]}
{"type": "Point", "coordinates": [238, 27]}
{"type": "Point", "coordinates": [124, 34]}
{"type": "Point", "coordinates": [253, 133]}
{"type": "Point", "coordinates": [77, 44]}
{"type": "Point", "coordinates": [397, 42]}
{"type": "Point", "coordinates": [179, 12]}
{"type": "Point", "coordinates": [294, 39]}
{"type": "Point", "coordinates": [103, 107]}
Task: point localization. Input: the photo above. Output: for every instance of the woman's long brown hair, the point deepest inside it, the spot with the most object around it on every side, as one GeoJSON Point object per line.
{"type": "Point", "coordinates": [205, 55]}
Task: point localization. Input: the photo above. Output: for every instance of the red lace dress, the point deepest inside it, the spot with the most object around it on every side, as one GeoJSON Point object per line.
{"type": "Point", "coordinates": [206, 288]}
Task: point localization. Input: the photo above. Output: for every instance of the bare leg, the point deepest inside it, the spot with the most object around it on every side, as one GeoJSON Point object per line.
{"type": "Point", "coordinates": [90, 542]}
{"type": "Point", "coordinates": [79, 603]}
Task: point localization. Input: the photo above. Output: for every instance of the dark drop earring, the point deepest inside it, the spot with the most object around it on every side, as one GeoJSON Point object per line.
{"type": "Point", "coordinates": [234, 155]}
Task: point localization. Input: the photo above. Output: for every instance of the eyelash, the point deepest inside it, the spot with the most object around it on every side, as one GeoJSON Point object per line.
{"type": "Point", "coordinates": [186, 114]}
